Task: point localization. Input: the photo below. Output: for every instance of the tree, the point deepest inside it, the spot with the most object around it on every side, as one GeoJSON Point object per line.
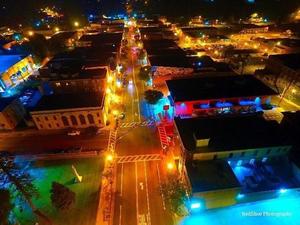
{"type": "Point", "coordinates": [175, 194]}
{"type": "Point", "coordinates": [145, 73]}
{"type": "Point", "coordinates": [62, 197]}
{"type": "Point", "coordinates": [5, 206]}
{"type": "Point", "coordinates": [153, 96]}
{"type": "Point", "coordinates": [20, 183]}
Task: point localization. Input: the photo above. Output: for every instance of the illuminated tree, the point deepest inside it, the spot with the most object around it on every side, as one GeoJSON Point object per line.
{"type": "Point", "coordinates": [145, 73]}
{"type": "Point", "coordinates": [18, 180]}
{"type": "Point", "coordinates": [175, 194]}
{"type": "Point", "coordinates": [62, 197]}
{"type": "Point", "coordinates": [5, 206]}
{"type": "Point", "coordinates": [153, 96]}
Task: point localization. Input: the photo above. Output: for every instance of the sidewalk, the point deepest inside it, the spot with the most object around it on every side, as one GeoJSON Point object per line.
{"type": "Point", "coordinates": [105, 209]}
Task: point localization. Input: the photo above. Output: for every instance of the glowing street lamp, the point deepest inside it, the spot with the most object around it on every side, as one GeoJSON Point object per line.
{"type": "Point", "coordinates": [170, 166]}
{"type": "Point", "coordinates": [76, 24]}
{"type": "Point", "coordinates": [109, 157]}
{"type": "Point", "coordinates": [30, 33]}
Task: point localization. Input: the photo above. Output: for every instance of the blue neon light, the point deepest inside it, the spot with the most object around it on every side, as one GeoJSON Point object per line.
{"type": "Point", "coordinates": [223, 104]}
{"type": "Point", "coordinates": [282, 190]}
{"type": "Point", "coordinates": [196, 205]}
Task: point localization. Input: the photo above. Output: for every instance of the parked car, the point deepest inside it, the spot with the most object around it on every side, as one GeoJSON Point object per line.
{"type": "Point", "coordinates": [76, 149]}
{"type": "Point", "coordinates": [74, 133]}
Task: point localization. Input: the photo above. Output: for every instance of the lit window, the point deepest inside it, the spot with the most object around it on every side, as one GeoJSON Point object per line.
{"type": "Point", "coordinates": [58, 84]}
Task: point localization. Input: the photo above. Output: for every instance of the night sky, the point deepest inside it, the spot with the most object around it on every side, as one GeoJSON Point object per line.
{"type": "Point", "coordinates": [24, 10]}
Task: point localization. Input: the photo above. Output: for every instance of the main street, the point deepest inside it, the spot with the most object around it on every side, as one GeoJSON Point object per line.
{"type": "Point", "coordinates": [140, 169]}
{"type": "Point", "coordinates": [138, 197]}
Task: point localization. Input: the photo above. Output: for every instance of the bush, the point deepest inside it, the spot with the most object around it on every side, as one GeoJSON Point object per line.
{"type": "Point", "coordinates": [153, 96]}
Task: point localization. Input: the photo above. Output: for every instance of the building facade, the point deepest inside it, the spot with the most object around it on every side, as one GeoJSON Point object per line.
{"type": "Point", "coordinates": [69, 118]}
{"type": "Point", "coordinates": [61, 111]}
{"type": "Point", "coordinates": [12, 113]}
{"type": "Point", "coordinates": [14, 69]}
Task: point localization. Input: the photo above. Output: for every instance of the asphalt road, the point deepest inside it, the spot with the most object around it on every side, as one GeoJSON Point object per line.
{"type": "Point", "coordinates": [138, 141]}
{"type": "Point", "coordinates": [138, 199]}
{"type": "Point", "coordinates": [33, 144]}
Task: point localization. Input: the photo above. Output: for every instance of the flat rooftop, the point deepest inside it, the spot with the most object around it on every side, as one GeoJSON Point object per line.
{"type": "Point", "coordinates": [210, 176]}
{"type": "Point", "coordinates": [230, 132]}
{"type": "Point", "coordinates": [7, 61]}
{"type": "Point", "coordinates": [69, 101]}
{"type": "Point", "coordinates": [210, 88]}
{"type": "Point", "coordinates": [4, 102]}
{"type": "Point", "coordinates": [289, 60]}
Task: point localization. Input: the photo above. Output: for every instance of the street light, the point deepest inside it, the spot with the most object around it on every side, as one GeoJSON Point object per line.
{"type": "Point", "coordinates": [170, 166]}
{"type": "Point", "coordinates": [109, 157]}
{"type": "Point", "coordinates": [76, 24]}
{"type": "Point", "coordinates": [30, 33]}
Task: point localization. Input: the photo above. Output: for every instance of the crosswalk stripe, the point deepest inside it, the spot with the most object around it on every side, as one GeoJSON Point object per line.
{"type": "Point", "coordinates": [133, 124]}
{"type": "Point", "coordinates": [136, 158]}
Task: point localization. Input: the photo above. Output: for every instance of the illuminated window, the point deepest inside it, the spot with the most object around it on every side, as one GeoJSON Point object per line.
{"type": "Point", "coordinates": [91, 119]}
{"type": "Point", "coordinates": [82, 119]}
{"type": "Point", "coordinates": [74, 120]}
{"type": "Point", "coordinates": [65, 121]}
{"type": "Point", "coordinates": [58, 84]}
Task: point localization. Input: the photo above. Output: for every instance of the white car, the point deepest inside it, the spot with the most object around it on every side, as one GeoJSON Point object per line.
{"type": "Point", "coordinates": [74, 133]}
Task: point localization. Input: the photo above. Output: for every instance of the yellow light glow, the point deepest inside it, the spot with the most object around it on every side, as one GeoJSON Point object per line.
{"type": "Point", "coordinates": [294, 91]}
{"type": "Point", "coordinates": [76, 23]}
{"type": "Point", "coordinates": [170, 166]}
{"type": "Point", "coordinates": [108, 91]}
{"type": "Point", "coordinates": [56, 29]}
{"type": "Point", "coordinates": [115, 112]}
{"type": "Point", "coordinates": [110, 78]}
{"type": "Point", "coordinates": [109, 157]}
{"type": "Point", "coordinates": [30, 33]}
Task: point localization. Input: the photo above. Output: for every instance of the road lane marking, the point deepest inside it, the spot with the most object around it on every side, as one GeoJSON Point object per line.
{"type": "Point", "coordinates": [147, 193]}
{"type": "Point", "coordinates": [120, 217]}
{"type": "Point", "coordinates": [121, 188]}
{"type": "Point", "coordinates": [160, 188]}
{"type": "Point", "coordinates": [137, 195]}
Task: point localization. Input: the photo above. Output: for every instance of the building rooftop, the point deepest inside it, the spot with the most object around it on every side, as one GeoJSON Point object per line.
{"type": "Point", "coordinates": [210, 175]}
{"type": "Point", "coordinates": [230, 132]}
{"type": "Point", "coordinates": [7, 61]}
{"type": "Point", "coordinates": [289, 60]}
{"type": "Point", "coordinates": [69, 101]}
{"type": "Point", "coordinates": [178, 61]}
{"type": "Point", "coordinates": [209, 88]}
{"type": "Point", "coordinates": [4, 102]}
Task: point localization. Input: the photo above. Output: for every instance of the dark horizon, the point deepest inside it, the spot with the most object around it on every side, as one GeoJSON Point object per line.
{"type": "Point", "coordinates": [222, 9]}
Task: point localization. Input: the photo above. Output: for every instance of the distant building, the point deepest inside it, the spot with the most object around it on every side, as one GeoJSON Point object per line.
{"type": "Point", "coordinates": [89, 80]}
{"type": "Point", "coordinates": [282, 73]}
{"type": "Point", "coordinates": [203, 96]}
{"type": "Point", "coordinates": [14, 69]}
{"type": "Point", "coordinates": [11, 113]}
{"type": "Point", "coordinates": [166, 58]}
{"type": "Point", "coordinates": [80, 110]}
